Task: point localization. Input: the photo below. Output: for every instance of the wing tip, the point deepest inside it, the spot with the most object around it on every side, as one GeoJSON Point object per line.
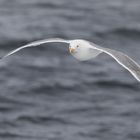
{"type": "Point", "coordinates": [137, 75]}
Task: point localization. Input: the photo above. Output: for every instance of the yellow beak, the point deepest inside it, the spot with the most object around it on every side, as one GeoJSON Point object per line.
{"type": "Point", "coordinates": [72, 50]}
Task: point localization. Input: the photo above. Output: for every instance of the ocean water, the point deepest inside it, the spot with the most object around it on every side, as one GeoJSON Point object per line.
{"type": "Point", "coordinates": [46, 94]}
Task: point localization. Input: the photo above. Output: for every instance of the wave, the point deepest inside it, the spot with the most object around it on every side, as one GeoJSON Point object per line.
{"type": "Point", "coordinates": [43, 120]}
{"type": "Point", "coordinates": [114, 84]}
{"type": "Point", "coordinates": [125, 32]}
{"type": "Point", "coordinates": [11, 135]}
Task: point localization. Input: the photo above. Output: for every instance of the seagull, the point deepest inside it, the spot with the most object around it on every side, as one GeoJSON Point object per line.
{"type": "Point", "coordinates": [84, 50]}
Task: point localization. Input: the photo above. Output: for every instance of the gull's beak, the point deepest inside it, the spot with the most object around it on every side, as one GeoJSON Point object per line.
{"type": "Point", "coordinates": [72, 50]}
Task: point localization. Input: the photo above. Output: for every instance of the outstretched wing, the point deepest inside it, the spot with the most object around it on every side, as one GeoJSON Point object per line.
{"type": "Point", "coordinates": [122, 59]}
{"type": "Point", "coordinates": [36, 43]}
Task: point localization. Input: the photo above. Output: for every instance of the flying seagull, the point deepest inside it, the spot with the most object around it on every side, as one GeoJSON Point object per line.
{"type": "Point", "coordinates": [85, 50]}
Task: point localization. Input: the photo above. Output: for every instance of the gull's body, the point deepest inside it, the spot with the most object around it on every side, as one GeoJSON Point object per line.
{"type": "Point", "coordinates": [85, 50]}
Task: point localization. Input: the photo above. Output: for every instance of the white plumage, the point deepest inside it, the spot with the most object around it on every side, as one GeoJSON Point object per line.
{"type": "Point", "coordinates": [85, 50]}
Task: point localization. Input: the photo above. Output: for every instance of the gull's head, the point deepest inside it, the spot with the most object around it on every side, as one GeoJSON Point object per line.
{"type": "Point", "coordinates": [79, 49]}
{"type": "Point", "coordinates": [76, 46]}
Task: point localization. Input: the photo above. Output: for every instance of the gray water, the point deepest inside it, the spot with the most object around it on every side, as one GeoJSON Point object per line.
{"type": "Point", "coordinates": [46, 94]}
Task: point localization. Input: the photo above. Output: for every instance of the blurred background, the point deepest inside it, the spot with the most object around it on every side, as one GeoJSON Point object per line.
{"type": "Point", "coordinates": [46, 94]}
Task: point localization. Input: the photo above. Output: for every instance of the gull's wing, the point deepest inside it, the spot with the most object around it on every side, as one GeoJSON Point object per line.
{"type": "Point", "coordinates": [36, 43]}
{"type": "Point", "coordinates": [122, 59]}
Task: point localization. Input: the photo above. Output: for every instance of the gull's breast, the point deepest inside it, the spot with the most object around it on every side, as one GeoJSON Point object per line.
{"type": "Point", "coordinates": [86, 54]}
